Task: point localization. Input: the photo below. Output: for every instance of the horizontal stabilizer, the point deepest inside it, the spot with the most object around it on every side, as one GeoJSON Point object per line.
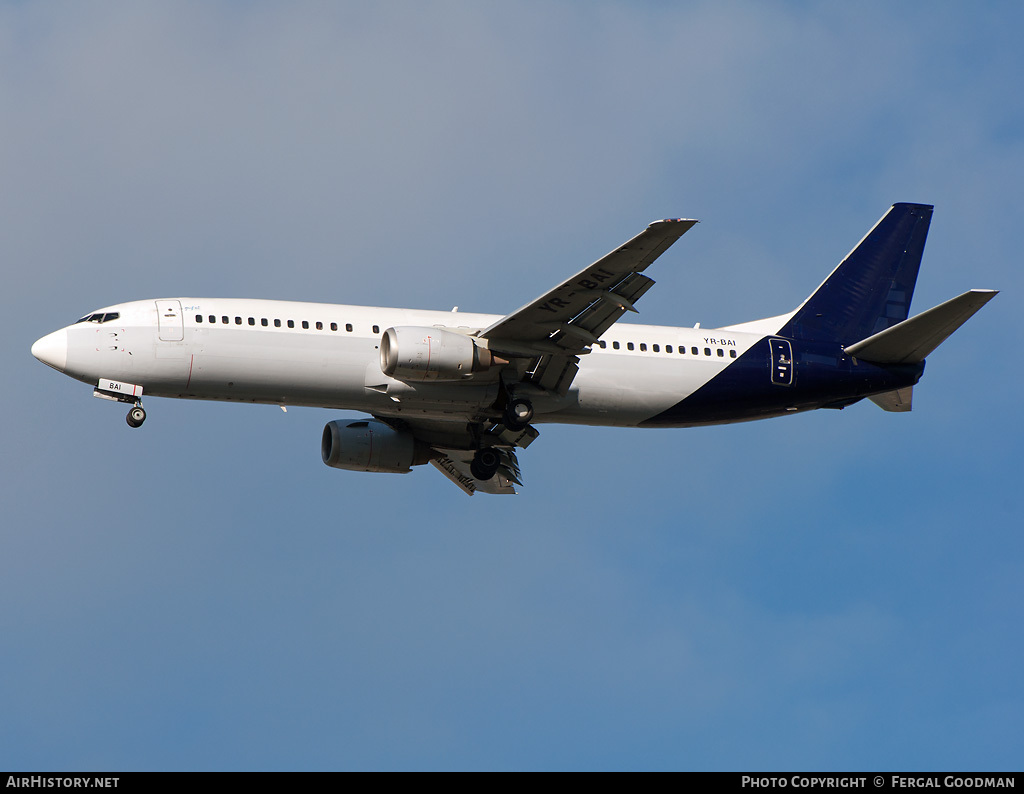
{"type": "Point", "coordinates": [910, 341]}
{"type": "Point", "coordinates": [898, 400]}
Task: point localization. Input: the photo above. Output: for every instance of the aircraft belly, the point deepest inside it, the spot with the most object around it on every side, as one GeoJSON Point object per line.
{"type": "Point", "coordinates": [624, 390]}
{"type": "Point", "coordinates": [285, 370]}
{"type": "Point", "coordinates": [463, 400]}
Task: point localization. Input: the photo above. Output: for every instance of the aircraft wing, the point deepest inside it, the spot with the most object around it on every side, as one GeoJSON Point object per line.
{"type": "Point", "coordinates": [453, 443]}
{"type": "Point", "coordinates": [552, 331]}
{"type": "Point", "coordinates": [562, 324]}
{"type": "Point", "coordinates": [454, 464]}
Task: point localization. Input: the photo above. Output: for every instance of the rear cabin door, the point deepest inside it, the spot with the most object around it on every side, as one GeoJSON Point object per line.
{"type": "Point", "coordinates": [170, 321]}
{"type": "Point", "coordinates": [782, 362]}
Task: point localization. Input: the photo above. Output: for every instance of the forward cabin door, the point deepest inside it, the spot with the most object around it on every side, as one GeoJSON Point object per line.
{"type": "Point", "coordinates": [173, 363]}
{"type": "Point", "coordinates": [170, 322]}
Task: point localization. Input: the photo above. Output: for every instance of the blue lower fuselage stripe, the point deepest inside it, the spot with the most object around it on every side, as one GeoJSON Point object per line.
{"type": "Point", "coordinates": [757, 385]}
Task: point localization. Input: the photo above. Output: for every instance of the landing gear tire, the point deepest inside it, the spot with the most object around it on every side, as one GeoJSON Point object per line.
{"type": "Point", "coordinates": [518, 413]}
{"type": "Point", "coordinates": [136, 416]}
{"type": "Point", "coordinates": [485, 463]}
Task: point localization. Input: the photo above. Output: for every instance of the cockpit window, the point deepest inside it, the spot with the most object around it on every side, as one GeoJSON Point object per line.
{"type": "Point", "coordinates": [99, 317]}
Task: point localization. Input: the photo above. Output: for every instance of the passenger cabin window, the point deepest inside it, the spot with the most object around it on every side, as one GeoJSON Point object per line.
{"type": "Point", "coordinates": [707, 351]}
{"type": "Point", "coordinates": [694, 351]}
{"type": "Point", "coordinates": [334, 326]}
{"type": "Point", "coordinates": [291, 323]}
{"type": "Point", "coordinates": [629, 345]}
{"type": "Point", "coordinates": [199, 318]}
{"type": "Point", "coordinates": [348, 327]}
{"type": "Point", "coordinates": [721, 353]}
{"type": "Point", "coordinates": [238, 321]}
{"type": "Point", "coordinates": [643, 346]}
{"type": "Point", "coordinates": [732, 354]}
{"type": "Point", "coordinates": [603, 345]}
{"type": "Point", "coordinates": [277, 323]}
{"type": "Point", "coordinates": [319, 326]}
{"type": "Point", "coordinates": [615, 345]}
{"type": "Point", "coordinates": [657, 349]}
{"type": "Point", "coordinates": [305, 324]}
{"type": "Point", "coordinates": [224, 319]}
{"type": "Point", "coordinates": [252, 321]}
{"type": "Point", "coordinates": [213, 318]}
{"type": "Point", "coordinates": [376, 329]}
{"type": "Point", "coordinates": [264, 322]}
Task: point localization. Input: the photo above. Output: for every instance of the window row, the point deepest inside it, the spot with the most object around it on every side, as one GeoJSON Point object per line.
{"type": "Point", "coordinates": [668, 349]}
{"type": "Point", "coordinates": [225, 320]}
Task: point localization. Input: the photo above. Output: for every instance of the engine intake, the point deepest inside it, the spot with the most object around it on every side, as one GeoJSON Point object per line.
{"type": "Point", "coordinates": [411, 353]}
{"type": "Point", "coordinates": [371, 445]}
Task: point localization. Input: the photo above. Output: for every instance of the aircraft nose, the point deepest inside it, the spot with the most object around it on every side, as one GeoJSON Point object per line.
{"type": "Point", "coordinates": [52, 349]}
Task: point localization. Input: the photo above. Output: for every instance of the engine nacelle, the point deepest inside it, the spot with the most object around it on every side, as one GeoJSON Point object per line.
{"type": "Point", "coordinates": [414, 353]}
{"type": "Point", "coordinates": [370, 445]}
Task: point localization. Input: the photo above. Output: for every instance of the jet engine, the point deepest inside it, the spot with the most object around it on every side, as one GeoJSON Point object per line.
{"type": "Point", "coordinates": [370, 445]}
{"type": "Point", "coordinates": [410, 353]}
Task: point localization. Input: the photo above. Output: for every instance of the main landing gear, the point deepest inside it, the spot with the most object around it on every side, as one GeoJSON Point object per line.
{"type": "Point", "coordinates": [136, 416]}
{"type": "Point", "coordinates": [485, 463]}
{"type": "Point", "coordinates": [518, 413]}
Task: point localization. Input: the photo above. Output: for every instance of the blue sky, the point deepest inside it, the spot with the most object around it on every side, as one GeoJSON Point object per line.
{"type": "Point", "coordinates": [827, 591]}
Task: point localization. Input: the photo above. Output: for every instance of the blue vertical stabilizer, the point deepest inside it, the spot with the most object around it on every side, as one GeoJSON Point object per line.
{"type": "Point", "coordinates": [871, 289]}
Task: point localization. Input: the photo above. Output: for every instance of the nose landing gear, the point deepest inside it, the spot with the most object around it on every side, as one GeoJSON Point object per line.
{"type": "Point", "coordinates": [107, 389]}
{"type": "Point", "coordinates": [136, 416]}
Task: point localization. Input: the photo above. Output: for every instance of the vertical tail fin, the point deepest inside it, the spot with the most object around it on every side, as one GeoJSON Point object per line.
{"type": "Point", "coordinates": [872, 287]}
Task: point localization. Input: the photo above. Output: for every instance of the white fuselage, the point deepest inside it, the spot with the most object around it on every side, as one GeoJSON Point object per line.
{"type": "Point", "coordinates": [327, 355]}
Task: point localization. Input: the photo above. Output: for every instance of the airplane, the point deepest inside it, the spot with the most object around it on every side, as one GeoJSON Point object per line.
{"type": "Point", "coordinates": [464, 391]}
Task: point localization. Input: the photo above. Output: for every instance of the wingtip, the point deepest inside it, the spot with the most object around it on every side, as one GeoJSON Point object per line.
{"type": "Point", "coordinates": [983, 295]}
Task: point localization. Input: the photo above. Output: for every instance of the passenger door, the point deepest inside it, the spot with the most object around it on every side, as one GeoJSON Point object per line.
{"type": "Point", "coordinates": [782, 362]}
{"type": "Point", "coordinates": [169, 321]}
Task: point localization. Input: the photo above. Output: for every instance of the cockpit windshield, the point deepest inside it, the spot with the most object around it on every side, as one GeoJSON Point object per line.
{"type": "Point", "coordinates": [100, 317]}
